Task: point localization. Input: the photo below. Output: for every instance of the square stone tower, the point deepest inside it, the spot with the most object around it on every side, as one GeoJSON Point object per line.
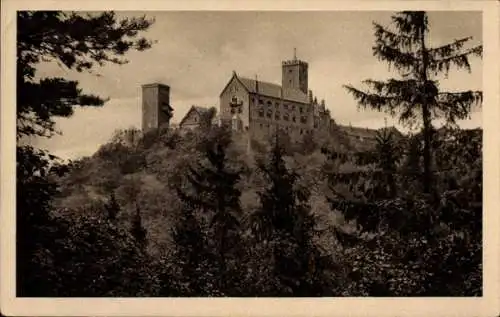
{"type": "Point", "coordinates": [156, 109]}
{"type": "Point", "coordinates": [294, 74]}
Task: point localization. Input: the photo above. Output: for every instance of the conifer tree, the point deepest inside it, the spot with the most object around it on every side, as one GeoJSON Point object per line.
{"type": "Point", "coordinates": [284, 221]}
{"type": "Point", "coordinates": [78, 42]}
{"type": "Point", "coordinates": [214, 194]}
{"type": "Point", "coordinates": [416, 94]}
{"type": "Point", "coordinates": [138, 231]}
{"type": "Point", "coordinates": [112, 208]}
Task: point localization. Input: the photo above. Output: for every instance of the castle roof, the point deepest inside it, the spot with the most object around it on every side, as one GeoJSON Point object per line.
{"type": "Point", "coordinates": [358, 132]}
{"type": "Point", "coordinates": [273, 90]}
{"type": "Point", "coordinates": [197, 109]}
{"type": "Point", "coordinates": [367, 133]}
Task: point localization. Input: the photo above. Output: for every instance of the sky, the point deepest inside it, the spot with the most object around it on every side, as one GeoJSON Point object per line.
{"type": "Point", "coordinates": [197, 51]}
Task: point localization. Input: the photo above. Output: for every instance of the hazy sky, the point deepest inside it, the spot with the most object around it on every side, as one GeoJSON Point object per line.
{"type": "Point", "coordinates": [196, 53]}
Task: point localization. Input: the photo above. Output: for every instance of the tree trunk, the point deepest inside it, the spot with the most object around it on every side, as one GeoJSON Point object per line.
{"type": "Point", "coordinates": [426, 118]}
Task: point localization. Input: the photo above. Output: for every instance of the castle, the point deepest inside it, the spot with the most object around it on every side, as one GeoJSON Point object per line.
{"type": "Point", "coordinates": [257, 108]}
{"type": "Point", "coordinates": [261, 108]}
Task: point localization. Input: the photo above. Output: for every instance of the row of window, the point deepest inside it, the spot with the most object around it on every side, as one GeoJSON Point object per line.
{"type": "Point", "coordinates": [277, 116]}
{"type": "Point", "coordinates": [277, 104]}
{"type": "Point", "coordinates": [285, 128]}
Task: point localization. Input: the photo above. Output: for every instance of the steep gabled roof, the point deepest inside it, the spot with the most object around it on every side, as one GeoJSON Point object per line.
{"type": "Point", "coordinates": [199, 110]}
{"type": "Point", "coordinates": [269, 89]}
{"type": "Point", "coordinates": [273, 90]}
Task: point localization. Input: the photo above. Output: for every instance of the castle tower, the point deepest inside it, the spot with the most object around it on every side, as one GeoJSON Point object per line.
{"type": "Point", "coordinates": [156, 109]}
{"type": "Point", "coordinates": [294, 74]}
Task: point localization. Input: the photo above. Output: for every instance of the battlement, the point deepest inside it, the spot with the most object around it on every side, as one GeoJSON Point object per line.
{"type": "Point", "coordinates": [159, 85]}
{"type": "Point", "coordinates": [294, 62]}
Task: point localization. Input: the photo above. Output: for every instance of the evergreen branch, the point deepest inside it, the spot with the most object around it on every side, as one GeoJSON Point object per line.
{"type": "Point", "coordinates": [403, 61]}
{"type": "Point", "coordinates": [377, 102]}
{"type": "Point", "coordinates": [394, 40]}
{"type": "Point", "coordinates": [438, 65]}
{"type": "Point", "coordinates": [457, 106]}
{"type": "Point", "coordinates": [411, 23]}
{"type": "Point", "coordinates": [403, 89]}
{"type": "Point", "coordinates": [448, 50]}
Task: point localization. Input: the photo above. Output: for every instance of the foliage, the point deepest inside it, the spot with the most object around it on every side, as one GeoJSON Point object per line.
{"type": "Point", "coordinates": [74, 41]}
{"type": "Point", "coordinates": [212, 207]}
{"type": "Point", "coordinates": [168, 213]}
{"type": "Point", "coordinates": [417, 94]}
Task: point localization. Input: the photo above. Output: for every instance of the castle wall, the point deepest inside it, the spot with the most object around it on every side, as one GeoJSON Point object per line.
{"type": "Point", "coordinates": [268, 114]}
{"type": "Point", "coordinates": [235, 90]}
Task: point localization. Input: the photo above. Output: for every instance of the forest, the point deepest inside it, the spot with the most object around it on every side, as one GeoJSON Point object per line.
{"type": "Point", "coordinates": [172, 213]}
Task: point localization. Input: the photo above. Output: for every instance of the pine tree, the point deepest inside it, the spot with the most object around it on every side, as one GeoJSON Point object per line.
{"type": "Point", "coordinates": [214, 194]}
{"type": "Point", "coordinates": [138, 231]}
{"type": "Point", "coordinates": [112, 208]}
{"type": "Point", "coordinates": [417, 94]}
{"type": "Point", "coordinates": [78, 42]}
{"type": "Point", "coordinates": [285, 223]}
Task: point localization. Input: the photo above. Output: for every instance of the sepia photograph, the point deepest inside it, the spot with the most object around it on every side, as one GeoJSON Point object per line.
{"type": "Point", "coordinates": [249, 154]}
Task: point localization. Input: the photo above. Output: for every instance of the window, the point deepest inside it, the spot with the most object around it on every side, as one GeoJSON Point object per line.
{"type": "Point", "coordinates": [301, 109]}
{"type": "Point", "coordinates": [261, 112]}
{"type": "Point", "coordinates": [234, 100]}
{"type": "Point", "coordinates": [261, 102]}
{"type": "Point", "coordinates": [236, 124]}
{"type": "Point", "coordinates": [293, 108]}
{"type": "Point", "coordinates": [293, 119]}
{"type": "Point", "coordinates": [301, 131]}
{"type": "Point", "coordinates": [285, 106]}
{"type": "Point", "coordinates": [303, 119]}
{"type": "Point", "coordinates": [277, 115]}
{"type": "Point", "coordinates": [269, 113]}
{"type": "Point", "coordinates": [269, 104]}
{"type": "Point", "coordinates": [285, 117]}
